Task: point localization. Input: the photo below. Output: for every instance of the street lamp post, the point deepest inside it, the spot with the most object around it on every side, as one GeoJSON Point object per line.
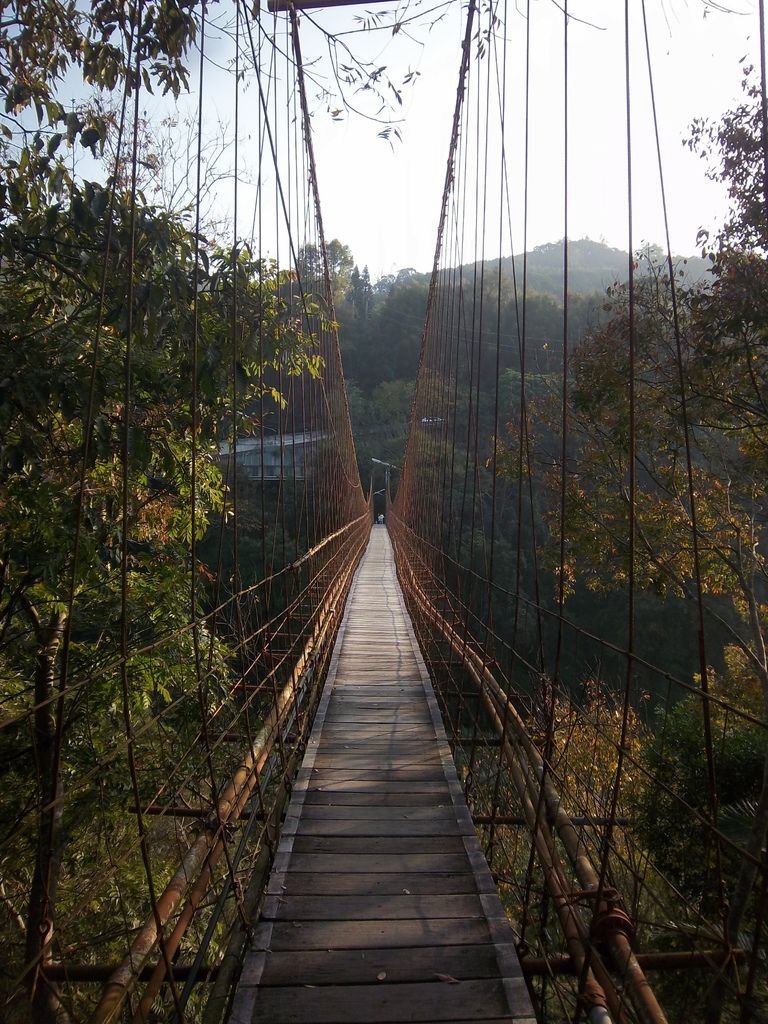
{"type": "Point", "coordinates": [387, 467]}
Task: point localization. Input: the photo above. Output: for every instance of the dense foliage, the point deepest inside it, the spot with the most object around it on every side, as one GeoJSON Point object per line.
{"type": "Point", "coordinates": [119, 335]}
{"type": "Point", "coordinates": [695, 432]}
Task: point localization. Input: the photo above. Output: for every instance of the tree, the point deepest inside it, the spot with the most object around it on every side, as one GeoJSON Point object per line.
{"type": "Point", "coordinates": [699, 378]}
{"type": "Point", "coordinates": [41, 42]}
{"type": "Point", "coordinates": [167, 164]}
{"type": "Point", "coordinates": [673, 826]}
{"type": "Point", "coordinates": [86, 267]}
{"type": "Point", "coordinates": [54, 414]}
{"type": "Point", "coordinates": [734, 149]}
{"type": "Point", "coordinates": [728, 441]}
{"type": "Point", "coordinates": [699, 352]}
{"type": "Point", "coordinates": [360, 292]}
{"type": "Point", "coordinates": [340, 264]}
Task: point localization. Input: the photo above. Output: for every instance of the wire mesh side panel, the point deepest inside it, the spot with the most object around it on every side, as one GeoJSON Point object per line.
{"type": "Point", "coordinates": [182, 513]}
{"type": "Point", "coordinates": [575, 569]}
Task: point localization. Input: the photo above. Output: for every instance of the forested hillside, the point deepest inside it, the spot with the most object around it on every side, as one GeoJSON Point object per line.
{"type": "Point", "coordinates": [382, 324]}
{"type": "Point", "coordinates": [381, 332]}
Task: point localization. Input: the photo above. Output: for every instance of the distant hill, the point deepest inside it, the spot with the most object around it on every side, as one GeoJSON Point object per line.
{"type": "Point", "coordinates": [592, 267]}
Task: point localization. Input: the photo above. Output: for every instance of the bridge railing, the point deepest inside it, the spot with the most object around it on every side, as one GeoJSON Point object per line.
{"type": "Point", "coordinates": [545, 843]}
{"type": "Point", "coordinates": [196, 924]}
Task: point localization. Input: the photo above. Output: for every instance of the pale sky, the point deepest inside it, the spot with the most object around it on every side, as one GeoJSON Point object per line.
{"type": "Point", "coordinates": [383, 201]}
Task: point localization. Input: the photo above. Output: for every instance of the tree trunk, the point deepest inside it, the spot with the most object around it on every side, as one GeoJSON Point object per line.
{"type": "Point", "coordinates": [46, 1005]}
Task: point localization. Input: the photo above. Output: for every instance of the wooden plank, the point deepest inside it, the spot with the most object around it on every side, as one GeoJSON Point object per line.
{"type": "Point", "coordinates": [355, 710]}
{"type": "Point", "coordinates": [380, 684]}
{"type": "Point", "coordinates": [390, 812]}
{"type": "Point", "coordinates": [392, 907]}
{"type": "Point", "coordinates": [378, 733]}
{"type": "Point", "coordinates": [328, 967]}
{"type": "Point", "coordinates": [374, 719]}
{"type": "Point", "coordinates": [379, 696]}
{"type": "Point", "coordinates": [394, 704]}
{"type": "Point", "coordinates": [364, 677]}
{"type": "Point", "coordinates": [358, 639]}
{"type": "Point", "coordinates": [378, 844]}
{"type": "Point", "coordinates": [371, 716]}
{"type": "Point", "coordinates": [390, 687]}
{"type": "Point", "coordinates": [371, 1004]}
{"type": "Point", "coordinates": [293, 882]}
{"type": "Point", "coordinates": [353, 761]}
{"type": "Point", "coordinates": [335, 784]}
{"type": "Point", "coordinates": [342, 711]}
{"type": "Point", "coordinates": [449, 931]}
{"type": "Point", "coordinates": [345, 798]}
{"type": "Point", "coordinates": [425, 773]}
{"type": "Point", "coordinates": [378, 730]}
{"type": "Point", "coordinates": [382, 688]}
{"type": "Point", "coordinates": [381, 642]}
{"type": "Point", "coordinates": [382, 694]}
{"type": "Point", "coordinates": [364, 663]}
{"type": "Point", "coordinates": [345, 756]}
{"type": "Point", "coordinates": [366, 863]}
{"type": "Point", "coordinates": [344, 750]}
{"type": "Point", "coordinates": [406, 773]}
{"type": "Point", "coordinates": [390, 666]}
{"type": "Point", "coordinates": [404, 669]}
{"type": "Point", "coordinates": [391, 828]}
{"type": "Point", "coordinates": [382, 699]}
{"type": "Point", "coordinates": [376, 628]}
{"type": "Point", "coordinates": [394, 740]}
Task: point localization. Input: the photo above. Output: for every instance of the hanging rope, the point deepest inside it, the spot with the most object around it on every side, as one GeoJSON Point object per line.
{"type": "Point", "coordinates": [540, 745]}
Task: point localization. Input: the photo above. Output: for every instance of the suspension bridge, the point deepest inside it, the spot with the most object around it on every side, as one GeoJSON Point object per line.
{"type": "Point", "coordinates": [270, 760]}
{"type": "Point", "coordinates": [379, 875]}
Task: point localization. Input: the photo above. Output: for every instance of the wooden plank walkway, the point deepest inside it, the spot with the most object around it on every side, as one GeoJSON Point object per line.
{"type": "Point", "coordinates": [380, 907]}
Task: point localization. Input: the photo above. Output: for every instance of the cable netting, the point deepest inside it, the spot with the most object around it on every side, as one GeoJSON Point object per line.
{"type": "Point", "coordinates": [577, 522]}
{"type": "Point", "coordinates": [570, 526]}
{"type": "Point", "coordinates": [182, 511]}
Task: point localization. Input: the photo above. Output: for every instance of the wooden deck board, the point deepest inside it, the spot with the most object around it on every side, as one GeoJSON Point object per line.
{"type": "Point", "coordinates": [407, 773]}
{"type": "Point", "coordinates": [365, 829]}
{"type": "Point", "coordinates": [397, 906]}
{"type": "Point", "coordinates": [393, 787]}
{"type": "Point", "coordinates": [386, 863]}
{"type": "Point", "coordinates": [378, 844]}
{"type": "Point", "coordinates": [383, 811]}
{"type": "Point", "coordinates": [378, 934]}
{"type": "Point", "coordinates": [383, 883]}
{"type": "Point", "coordinates": [380, 908]}
{"type": "Point", "coordinates": [370, 1004]}
{"type": "Point", "coordinates": [341, 798]}
{"type": "Point", "coordinates": [417, 963]}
